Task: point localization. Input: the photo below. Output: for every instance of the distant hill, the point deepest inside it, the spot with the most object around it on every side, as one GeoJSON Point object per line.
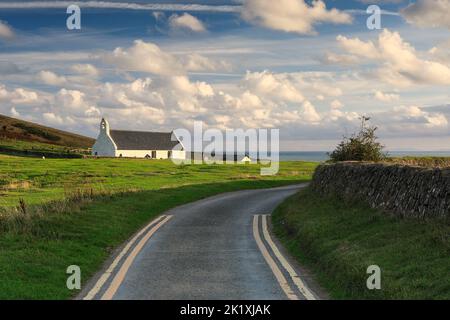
{"type": "Point", "coordinates": [11, 128]}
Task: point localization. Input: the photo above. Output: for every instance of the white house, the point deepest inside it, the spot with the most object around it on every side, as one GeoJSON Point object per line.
{"type": "Point", "coordinates": [137, 144]}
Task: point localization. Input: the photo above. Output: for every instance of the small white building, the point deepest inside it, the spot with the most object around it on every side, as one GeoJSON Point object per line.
{"type": "Point", "coordinates": [246, 159]}
{"type": "Point", "coordinates": [137, 144]}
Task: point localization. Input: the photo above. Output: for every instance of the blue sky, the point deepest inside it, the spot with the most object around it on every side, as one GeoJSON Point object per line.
{"type": "Point", "coordinates": [160, 65]}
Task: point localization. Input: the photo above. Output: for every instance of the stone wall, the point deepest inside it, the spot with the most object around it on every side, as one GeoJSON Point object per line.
{"type": "Point", "coordinates": [402, 190]}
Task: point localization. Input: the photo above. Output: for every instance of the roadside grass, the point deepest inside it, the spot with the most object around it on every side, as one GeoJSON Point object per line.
{"type": "Point", "coordinates": [38, 181]}
{"type": "Point", "coordinates": [77, 211]}
{"type": "Point", "coordinates": [338, 241]}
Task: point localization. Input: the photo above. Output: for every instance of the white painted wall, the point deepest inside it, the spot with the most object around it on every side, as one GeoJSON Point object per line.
{"type": "Point", "coordinates": [104, 146]}
{"type": "Point", "coordinates": [160, 154]}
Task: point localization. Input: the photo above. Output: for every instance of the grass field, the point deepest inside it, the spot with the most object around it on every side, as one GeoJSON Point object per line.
{"type": "Point", "coordinates": [62, 225]}
{"type": "Point", "coordinates": [338, 241]}
{"type": "Point", "coordinates": [37, 180]}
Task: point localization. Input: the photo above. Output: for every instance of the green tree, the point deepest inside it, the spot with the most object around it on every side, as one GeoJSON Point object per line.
{"type": "Point", "coordinates": [360, 146]}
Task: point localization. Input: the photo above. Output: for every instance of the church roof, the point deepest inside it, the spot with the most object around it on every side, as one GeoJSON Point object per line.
{"type": "Point", "coordinates": [143, 140]}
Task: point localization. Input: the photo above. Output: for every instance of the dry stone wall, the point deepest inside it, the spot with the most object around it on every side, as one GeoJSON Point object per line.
{"type": "Point", "coordinates": [402, 190]}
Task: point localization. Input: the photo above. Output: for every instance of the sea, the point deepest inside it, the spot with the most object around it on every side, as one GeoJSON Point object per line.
{"type": "Point", "coordinates": [321, 156]}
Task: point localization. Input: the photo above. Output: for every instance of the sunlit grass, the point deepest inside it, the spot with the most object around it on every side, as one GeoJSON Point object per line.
{"type": "Point", "coordinates": [37, 180]}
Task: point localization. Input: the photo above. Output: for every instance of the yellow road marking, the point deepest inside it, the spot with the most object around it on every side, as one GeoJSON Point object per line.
{"type": "Point", "coordinates": [276, 271]}
{"type": "Point", "coordinates": [120, 275]}
{"type": "Point", "coordinates": [295, 278]}
{"type": "Point", "coordinates": [104, 277]}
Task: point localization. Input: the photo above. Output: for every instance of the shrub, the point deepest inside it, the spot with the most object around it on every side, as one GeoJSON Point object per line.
{"type": "Point", "coordinates": [361, 146]}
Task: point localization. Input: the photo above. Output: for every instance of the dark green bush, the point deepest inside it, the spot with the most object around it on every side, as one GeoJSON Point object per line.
{"type": "Point", "coordinates": [361, 146]}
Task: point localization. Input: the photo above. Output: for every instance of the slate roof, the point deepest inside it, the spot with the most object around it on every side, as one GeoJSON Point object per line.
{"type": "Point", "coordinates": [142, 140]}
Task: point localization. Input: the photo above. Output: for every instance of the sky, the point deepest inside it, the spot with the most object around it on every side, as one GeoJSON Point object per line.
{"type": "Point", "coordinates": [307, 68]}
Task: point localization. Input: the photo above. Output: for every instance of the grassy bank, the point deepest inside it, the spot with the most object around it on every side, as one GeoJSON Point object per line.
{"type": "Point", "coordinates": [78, 210]}
{"type": "Point", "coordinates": [339, 241]}
{"type": "Point", "coordinates": [36, 149]}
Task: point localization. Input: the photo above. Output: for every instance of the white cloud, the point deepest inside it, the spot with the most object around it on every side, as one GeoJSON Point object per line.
{"type": "Point", "coordinates": [276, 86]}
{"type": "Point", "coordinates": [309, 113]}
{"type": "Point", "coordinates": [322, 84]}
{"type": "Point", "coordinates": [401, 65]}
{"type": "Point", "coordinates": [419, 117]}
{"type": "Point", "coordinates": [186, 22]}
{"type": "Point", "coordinates": [196, 62]}
{"type": "Point", "coordinates": [51, 78]}
{"type": "Point", "coordinates": [145, 57]}
{"type": "Point", "coordinates": [85, 69]}
{"type": "Point", "coordinates": [148, 57]}
{"type": "Point", "coordinates": [336, 104]}
{"type": "Point", "coordinates": [428, 13]}
{"type": "Point", "coordinates": [5, 31]}
{"type": "Point", "coordinates": [74, 102]}
{"type": "Point", "coordinates": [14, 112]}
{"type": "Point", "coordinates": [18, 96]}
{"type": "Point", "coordinates": [52, 118]}
{"type": "Point", "coordinates": [386, 97]}
{"type": "Point", "coordinates": [358, 47]}
{"type": "Point", "coordinates": [291, 15]}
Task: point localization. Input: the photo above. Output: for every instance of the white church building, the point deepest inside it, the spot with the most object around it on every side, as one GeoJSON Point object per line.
{"type": "Point", "coordinates": [137, 144]}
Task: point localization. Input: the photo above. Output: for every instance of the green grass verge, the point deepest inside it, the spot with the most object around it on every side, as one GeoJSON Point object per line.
{"type": "Point", "coordinates": [338, 241]}
{"type": "Point", "coordinates": [38, 181]}
{"type": "Point", "coordinates": [36, 246]}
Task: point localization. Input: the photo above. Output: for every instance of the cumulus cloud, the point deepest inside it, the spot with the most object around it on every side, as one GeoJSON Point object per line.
{"type": "Point", "coordinates": [358, 47]}
{"type": "Point", "coordinates": [145, 57]}
{"type": "Point", "coordinates": [386, 97]}
{"type": "Point", "coordinates": [5, 31]}
{"type": "Point", "coordinates": [51, 78]}
{"type": "Point", "coordinates": [416, 116]}
{"type": "Point", "coordinates": [14, 112]}
{"type": "Point", "coordinates": [74, 101]}
{"type": "Point", "coordinates": [276, 86]}
{"type": "Point", "coordinates": [149, 57]}
{"type": "Point", "coordinates": [428, 13]}
{"type": "Point", "coordinates": [186, 22]}
{"type": "Point", "coordinates": [306, 105]}
{"type": "Point", "coordinates": [401, 64]}
{"type": "Point", "coordinates": [292, 15]}
{"type": "Point", "coordinates": [18, 96]}
{"type": "Point", "coordinates": [309, 113]}
{"type": "Point", "coordinates": [85, 69]}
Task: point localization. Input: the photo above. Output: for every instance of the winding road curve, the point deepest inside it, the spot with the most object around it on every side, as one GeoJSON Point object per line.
{"type": "Point", "coordinates": [216, 248]}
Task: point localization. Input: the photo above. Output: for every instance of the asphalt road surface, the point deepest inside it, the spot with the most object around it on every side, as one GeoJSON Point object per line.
{"type": "Point", "coordinates": [217, 248]}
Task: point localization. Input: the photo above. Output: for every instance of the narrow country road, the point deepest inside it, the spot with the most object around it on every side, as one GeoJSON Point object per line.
{"type": "Point", "coordinates": [216, 248]}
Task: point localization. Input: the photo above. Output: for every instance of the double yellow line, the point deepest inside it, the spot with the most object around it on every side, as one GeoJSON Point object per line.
{"type": "Point", "coordinates": [301, 286]}
{"type": "Point", "coordinates": [149, 230]}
